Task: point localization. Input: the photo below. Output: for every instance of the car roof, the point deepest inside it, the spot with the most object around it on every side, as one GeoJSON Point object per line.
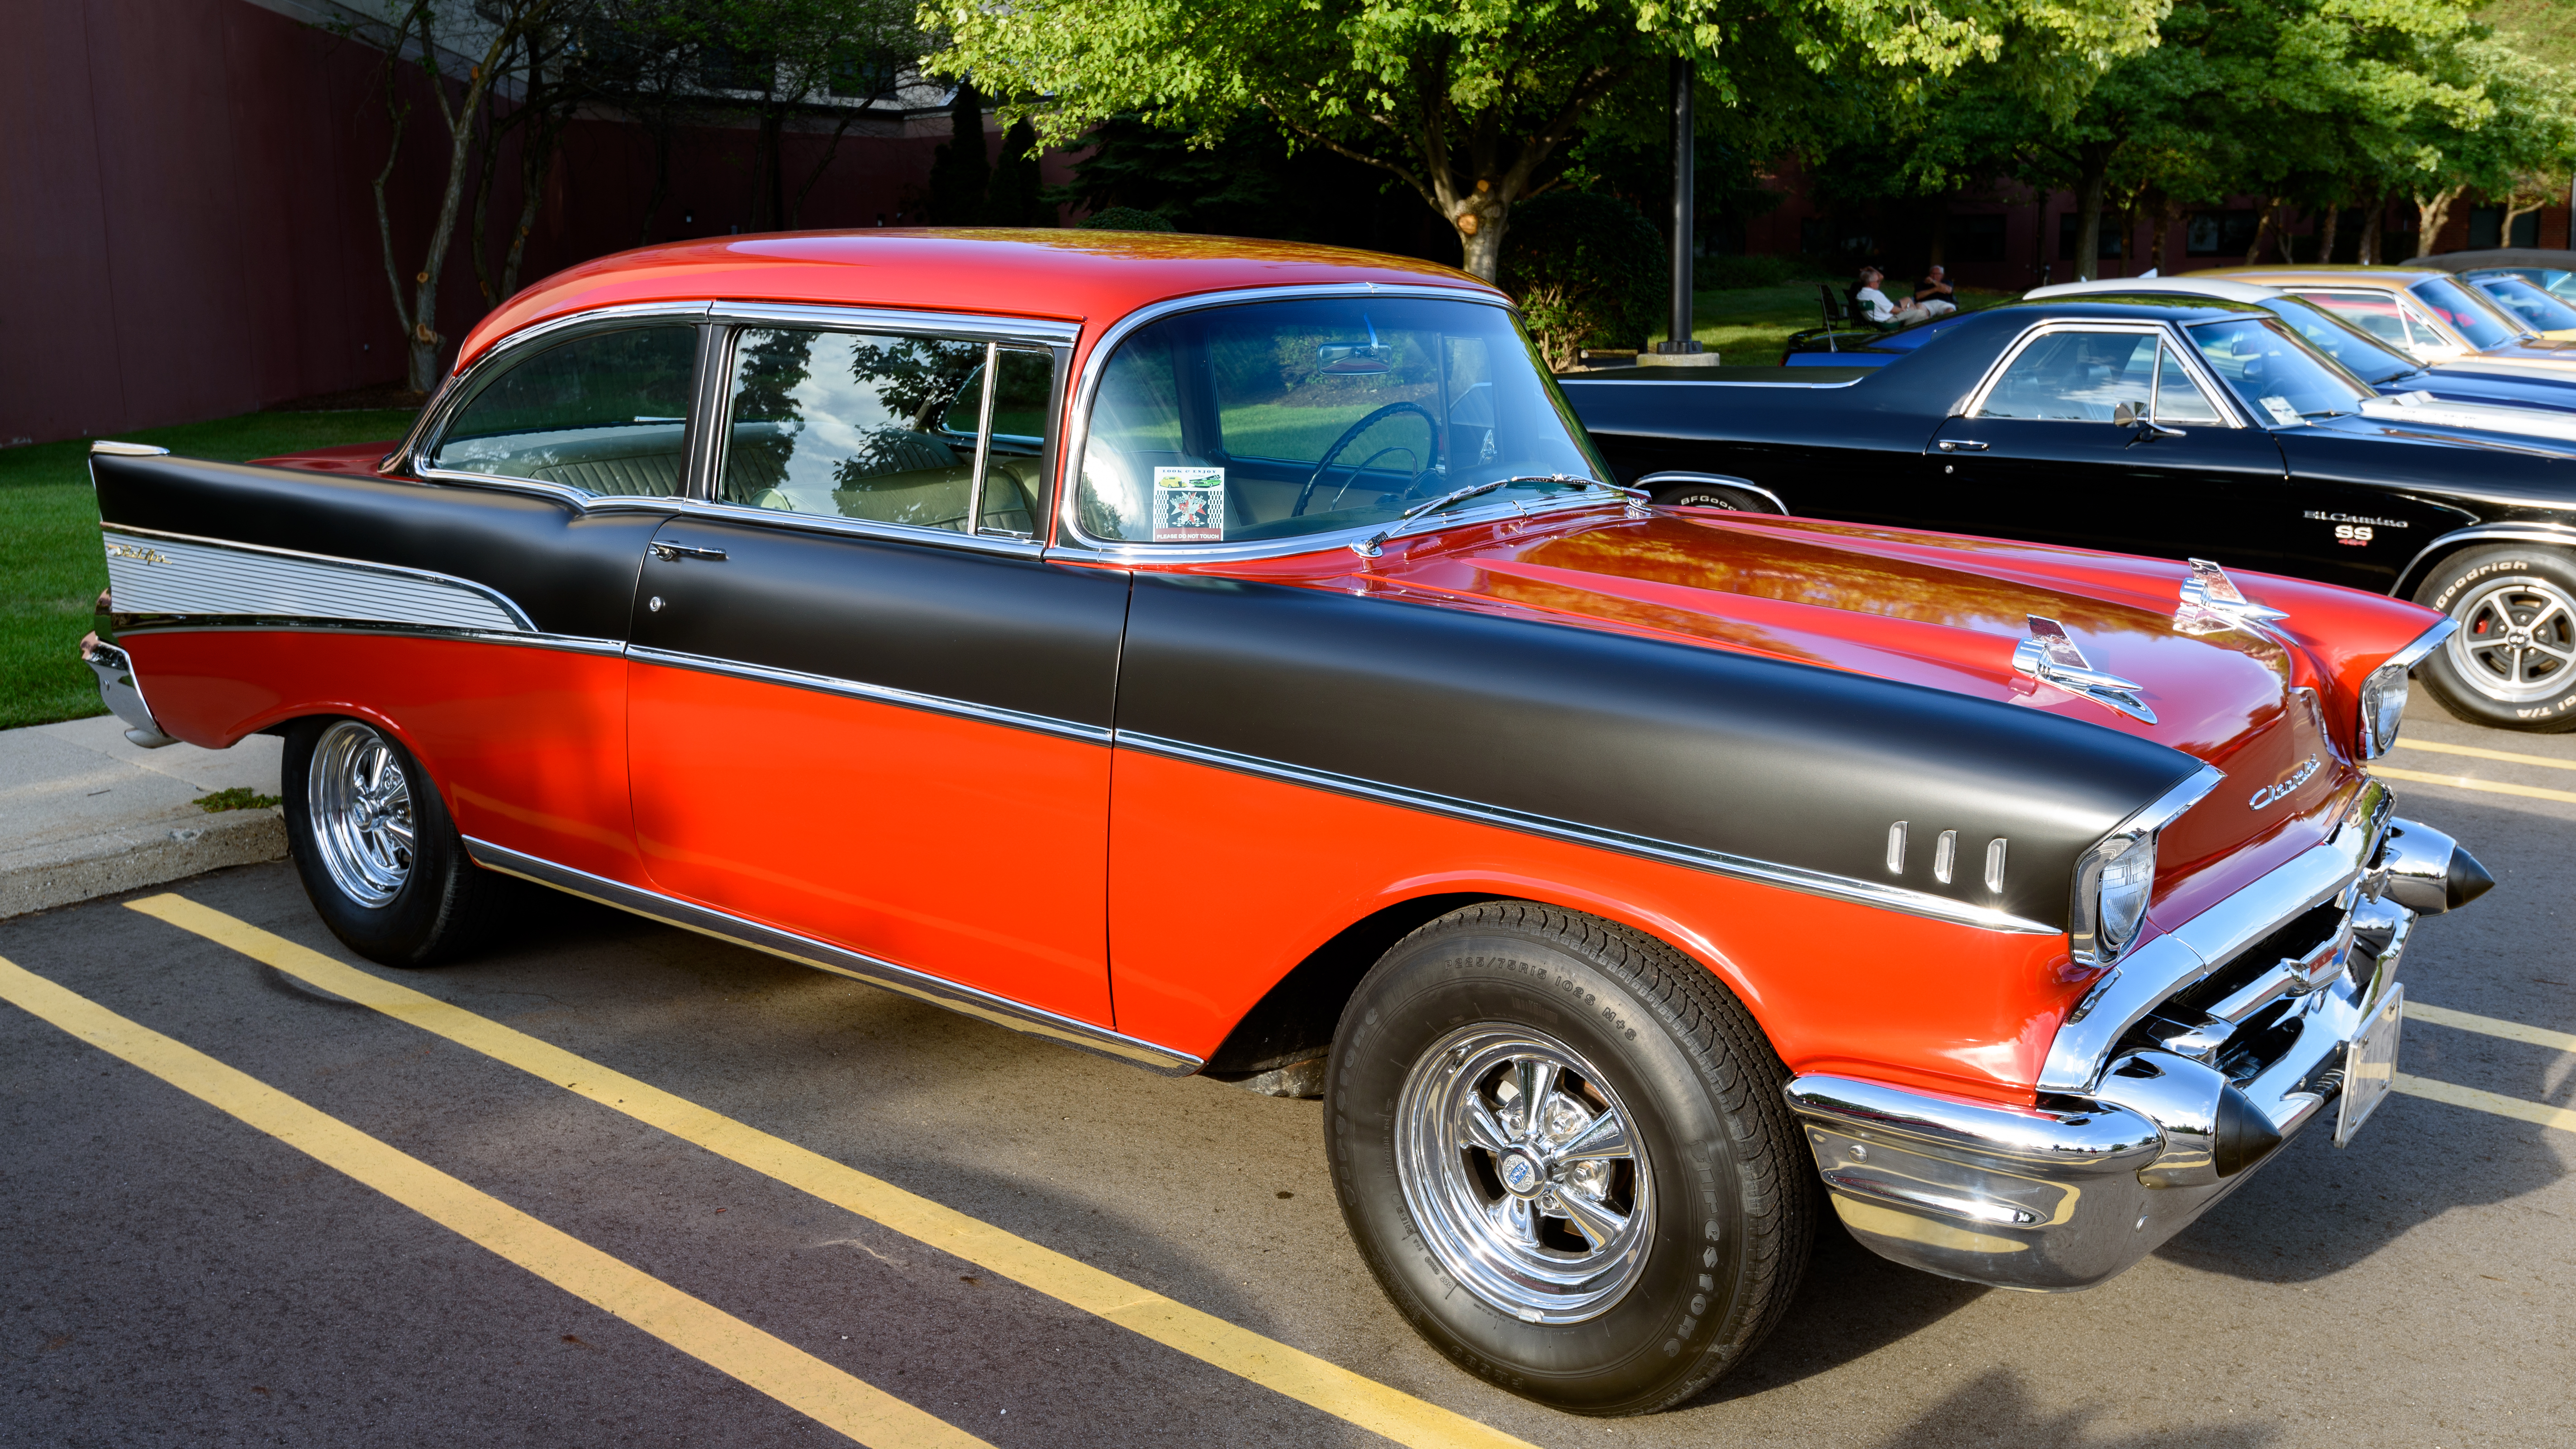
{"type": "Point", "coordinates": [2502, 257]}
{"type": "Point", "coordinates": [1095, 277]}
{"type": "Point", "coordinates": [2320, 274]}
{"type": "Point", "coordinates": [2227, 289]}
{"type": "Point", "coordinates": [2134, 305]}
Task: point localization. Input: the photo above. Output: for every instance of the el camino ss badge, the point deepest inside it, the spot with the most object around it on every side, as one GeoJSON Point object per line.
{"type": "Point", "coordinates": [2211, 602]}
{"type": "Point", "coordinates": [2051, 658]}
{"type": "Point", "coordinates": [2281, 789]}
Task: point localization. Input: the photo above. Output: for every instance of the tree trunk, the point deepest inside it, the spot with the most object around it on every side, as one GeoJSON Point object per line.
{"type": "Point", "coordinates": [2432, 213]}
{"type": "Point", "coordinates": [2088, 215]}
{"type": "Point", "coordinates": [1480, 225]}
{"type": "Point", "coordinates": [2262, 231]}
{"type": "Point", "coordinates": [2327, 227]}
{"type": "Point", "coordinates": [2374, 215]}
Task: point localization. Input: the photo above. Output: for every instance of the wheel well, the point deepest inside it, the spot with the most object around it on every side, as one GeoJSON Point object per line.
{"type": "Point", "coordinates": [1294, 1020]}
{"type": "Point", "coordinates": [2443, 550]}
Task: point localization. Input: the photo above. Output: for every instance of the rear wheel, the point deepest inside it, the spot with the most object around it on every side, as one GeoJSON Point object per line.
{"type": "Point", "coordinates": [379, 857]}
{"type": "Point", "coordinates": [1712, 495]}
{"type": "Point", "coordinates": [2512, 663]}
{"type": "Point", "coordinates": [1562, 1149]}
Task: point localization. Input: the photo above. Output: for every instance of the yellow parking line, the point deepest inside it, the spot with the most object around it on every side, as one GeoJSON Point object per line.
{"type": "Point", "coordinates": [2492, 787]}
{"type": "Point", "coordinates": [2491, 1026]}
{"type": "Point", "coordinates": [1299, 1375]}
{"type": "Point", "coordinates": [776, 1368]}
{"type": "Point", "coordinates": [2501, 1105]}
{"type": "Point", "coordinates": [2482, 753]}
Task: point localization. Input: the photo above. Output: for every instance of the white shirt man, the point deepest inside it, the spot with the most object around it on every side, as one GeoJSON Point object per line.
{"type": "Point", "coordinates": [1879, 308]}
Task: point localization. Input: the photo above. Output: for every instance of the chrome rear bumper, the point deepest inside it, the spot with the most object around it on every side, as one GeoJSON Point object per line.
{"type": "Point", "coordinates": [123, 697]}
{"type": "Point", "coordinates": [2184, 1069]}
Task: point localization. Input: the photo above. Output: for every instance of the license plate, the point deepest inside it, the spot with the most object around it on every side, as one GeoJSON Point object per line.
{"type": "Point", "coordinates": [2370, 1064]}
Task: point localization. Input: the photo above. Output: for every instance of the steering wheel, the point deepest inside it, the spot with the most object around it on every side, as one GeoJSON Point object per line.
{"type": "Point", "coordinates": [1351, 434]}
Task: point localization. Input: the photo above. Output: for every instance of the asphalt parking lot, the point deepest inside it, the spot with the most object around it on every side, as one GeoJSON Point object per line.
{"type": "Point", "coordinates": [255, 1195]}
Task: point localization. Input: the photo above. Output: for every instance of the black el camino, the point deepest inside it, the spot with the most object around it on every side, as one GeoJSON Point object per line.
{"type": "Point", "coordinates": [2182, 426]}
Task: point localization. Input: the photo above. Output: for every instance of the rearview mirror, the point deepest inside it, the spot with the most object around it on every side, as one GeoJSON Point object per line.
{"type": "Point", "coordinates": [1351, 357]}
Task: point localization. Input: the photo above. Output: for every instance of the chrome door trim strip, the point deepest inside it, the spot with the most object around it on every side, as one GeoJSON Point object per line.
{"type": "Point", "coordinates": [1796, 878]}
{"type": "Point", "coordinates": [1650, 480]}
{"type": "Point", "coordinates": [428, 578]}
{"type": "Point", "coordinates": [2532, 532]}
{"type": "Point", "coordinates": [806, 951]}
{"type": "Point", "coordinates": [877, 693]}
{"type": "Point", "coordinates": [1002, 544]}
{"type": "Point", "coordinates": [291, 624]}
{"type": "Point", "coordinates": [1043, 331]}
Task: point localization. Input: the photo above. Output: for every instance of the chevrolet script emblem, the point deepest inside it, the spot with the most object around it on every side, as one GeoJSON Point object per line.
{"type": "Point", "coordinates": [2280, 789]}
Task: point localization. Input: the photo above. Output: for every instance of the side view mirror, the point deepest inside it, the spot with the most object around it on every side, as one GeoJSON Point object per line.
{"type": "Point", "coordinates": [2130, 415]}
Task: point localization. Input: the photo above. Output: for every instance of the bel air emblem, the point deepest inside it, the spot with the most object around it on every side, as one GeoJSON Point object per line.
{"type": "Point", "coordinates": [2280, 789]}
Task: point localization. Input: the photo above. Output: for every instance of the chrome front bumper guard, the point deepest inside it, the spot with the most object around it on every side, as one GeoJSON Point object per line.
{"type": "Point", "coordinates": [121, 693]}
{"type": "Point", "coordinates": [2137, 1133]}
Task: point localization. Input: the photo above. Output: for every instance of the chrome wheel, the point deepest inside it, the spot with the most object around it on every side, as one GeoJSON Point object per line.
{"type": "Point", "coordinates": [1522, 1171]}
{"type": "Point", "coordinates": [360, 804]}
{"type": "Point", "coordinates": [2517, 639]}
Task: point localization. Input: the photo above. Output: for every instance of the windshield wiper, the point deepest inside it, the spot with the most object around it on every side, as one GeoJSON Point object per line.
{"type": "Point", "coordinates": [2326, 413]}
{"type": "Point", "coordinates": [1374, 544]}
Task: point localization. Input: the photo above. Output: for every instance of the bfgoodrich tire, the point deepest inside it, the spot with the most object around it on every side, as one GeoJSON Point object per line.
{"type": "Point", "coordinates": [2512, 663]}
{"type": "Point", "coordinates": [380, 859]}
{"type": "Point", "coordinates": [1712, 495]}
{"type": "Point", "coordinates": [1634, 1237]}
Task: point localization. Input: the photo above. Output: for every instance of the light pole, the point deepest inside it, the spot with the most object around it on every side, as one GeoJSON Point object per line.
{"type": "Point", "coordinates": [1685, 142]}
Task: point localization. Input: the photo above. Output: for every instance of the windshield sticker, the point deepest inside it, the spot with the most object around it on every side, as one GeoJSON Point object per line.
{"type": "Point", "coordinates": [2282, 412]}
{"type": "Point", "coordinates": [1189, 505]}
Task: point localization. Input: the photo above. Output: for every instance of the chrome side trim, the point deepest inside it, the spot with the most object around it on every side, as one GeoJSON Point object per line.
{"type": "Point", "coordinates": [2190, 951]}
{"type": "Point", "coordinates": [1044, 331]}
{"type": "Point", "coordinates": [805, 951]}
{"type": "Point", "coordinates": [879, 693]}
{"type": "Point", "coordinates": [127, 450]}
{"type": "Point", "coordinates": [178, 573]}
{"type": "Point", "coordinates": [286, 624]}
{"type": "Point", "coordinates": [2561, 534]}
{"type": "Point", "coordinates": [1650, 480]}
{"type": "Point", "coordinates": [1796, 878]}
{"type": "Point", "coordinates": [855, 527]}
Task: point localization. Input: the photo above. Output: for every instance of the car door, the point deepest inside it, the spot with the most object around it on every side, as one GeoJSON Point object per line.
{"type": "Point", "coordinates": [862, 708]}
{"type": "Point", "coordinates": [2037, 453]}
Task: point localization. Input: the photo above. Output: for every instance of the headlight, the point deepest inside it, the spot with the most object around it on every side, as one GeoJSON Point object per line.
{"type": "Point", "coordinates": [2112, 884]}
{"type": "Point", "coordinates": [2383, 709]}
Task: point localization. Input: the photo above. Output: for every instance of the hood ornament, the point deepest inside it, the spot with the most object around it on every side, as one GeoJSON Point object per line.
{"type": "Point", "coordinates": [2051, 658]}
{"type": "Point", "coordinates": [2212, 602]}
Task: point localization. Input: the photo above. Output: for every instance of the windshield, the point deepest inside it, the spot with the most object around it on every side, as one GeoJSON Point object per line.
{"type": "Point", "coordinates": [1275, 419]}
{"type": "Point", "coordinates": [2278, 376]}
{"type": "Point", "coordinates": [2361, 354]}
{"type": "Point", "coordinates": [2538, 310]}
{"type": "Point", "coordinates": [2469, 314]}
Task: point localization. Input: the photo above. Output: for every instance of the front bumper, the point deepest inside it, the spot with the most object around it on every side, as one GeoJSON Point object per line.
{"type": "Point", "coordinates": [2181, 1071]}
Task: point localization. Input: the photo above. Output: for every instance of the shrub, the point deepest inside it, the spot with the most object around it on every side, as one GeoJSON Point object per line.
{"type": "Point", "coordinates": [1588, 271]}
{"type": "Point", "coordinates": [1126, 218]}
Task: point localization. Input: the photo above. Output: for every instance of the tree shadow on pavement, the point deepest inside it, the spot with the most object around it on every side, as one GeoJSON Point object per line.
{"type": "Point", "coordinates": [1996, 1412]}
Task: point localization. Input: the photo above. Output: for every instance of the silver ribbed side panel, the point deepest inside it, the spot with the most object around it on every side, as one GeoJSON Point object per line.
{"type": "Point", "coordinates": [156, 575]}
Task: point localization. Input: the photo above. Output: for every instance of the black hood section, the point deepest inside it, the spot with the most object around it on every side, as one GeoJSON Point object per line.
{"type": "Point", "coordinates": [1776, 761]}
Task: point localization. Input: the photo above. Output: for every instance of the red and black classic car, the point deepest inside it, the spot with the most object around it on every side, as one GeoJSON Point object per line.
{"type": "Point", "coordinates": [1227, 657]}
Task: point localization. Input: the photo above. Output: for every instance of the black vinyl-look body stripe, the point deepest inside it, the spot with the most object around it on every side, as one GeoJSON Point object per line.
{"type": "Point", "coordinates": [1737, 756]}
{"type": "Point", "coordinates": [570, 572]}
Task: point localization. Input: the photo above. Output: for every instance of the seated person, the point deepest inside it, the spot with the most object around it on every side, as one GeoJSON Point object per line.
{"type": "Point", "coordinates": [1934, 294]}
{"type": "Point", "coordinates": [1875, 305]}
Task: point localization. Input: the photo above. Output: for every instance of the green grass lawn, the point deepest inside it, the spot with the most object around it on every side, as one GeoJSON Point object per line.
{"type": "Point", "coordinates": [1750, 326]}
{"type": "Point", "coordinates": [51, 564]}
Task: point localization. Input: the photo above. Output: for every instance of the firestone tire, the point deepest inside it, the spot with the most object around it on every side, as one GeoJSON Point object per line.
{"type": "Point", "coordinates": [2512, 663]}
{"type": "Point", "coordinates": [380, 858]}
{"type": "Point", "coordinates": [1690, 1245]}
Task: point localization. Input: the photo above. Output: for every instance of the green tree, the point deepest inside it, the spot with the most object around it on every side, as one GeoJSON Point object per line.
{"type": "Point", "coordinates": [1012, 199]}
{"type": "Point", "coordinates": [1473, 104]}
{"type": "Point", "coordinates": [960, 168]}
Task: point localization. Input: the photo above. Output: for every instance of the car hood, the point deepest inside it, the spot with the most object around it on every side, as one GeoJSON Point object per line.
{"type": "Point", "coordinates": [1945, 612]}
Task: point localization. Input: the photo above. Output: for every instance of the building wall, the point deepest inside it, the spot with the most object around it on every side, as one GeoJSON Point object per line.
{"type": "Point", "coordinates": [191, 232]}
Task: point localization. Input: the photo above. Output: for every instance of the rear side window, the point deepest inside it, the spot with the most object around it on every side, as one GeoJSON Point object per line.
{"type": "Point", "coordinates": [606, 412]}
{"type": "Point", "coordinates": [2079, 377]}
{"type": "Point", "coordinates": [2469, 314]}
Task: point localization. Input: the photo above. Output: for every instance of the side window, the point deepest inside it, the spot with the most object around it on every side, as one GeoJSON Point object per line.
{"type": "Point", "coordinates": [884, 428]}
{"type": "Point", "coordinates": [2422, 332]}
{"type": "Point", "coordinates": [2378, 316]}
{"type": "Point", "coordinates": [2179, 399]}
{"type": "Point", "coordinates": [2078, 377]}
{"type": "Point", "coordinates": [606, 412]}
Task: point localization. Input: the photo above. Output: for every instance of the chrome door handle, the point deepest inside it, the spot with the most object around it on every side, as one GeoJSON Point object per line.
{"type": "Point", "coordinates": [1956, 445]}
{"type": "Point", "coordinates": [674, 552]}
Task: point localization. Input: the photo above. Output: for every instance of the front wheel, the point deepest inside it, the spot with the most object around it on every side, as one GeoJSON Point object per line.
{"type": "Point", "coordinates": [1712, 495]}
{"type": "Point", "coordinates": [380, 859]}
{"type": "Point", "coordinates": [1562, 1149]}
{"type": "Point", "coordinates": [2512, 662]}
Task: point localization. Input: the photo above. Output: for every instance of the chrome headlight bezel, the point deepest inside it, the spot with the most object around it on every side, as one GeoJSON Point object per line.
{"type": "Point", "coordinates": [2381, 707]}
{"type": "Point", "coordinates": [2123, 865]}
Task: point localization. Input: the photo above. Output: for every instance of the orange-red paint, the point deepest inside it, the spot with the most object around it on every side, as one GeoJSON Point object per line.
{"type": "Point", "coordinates": [968, 850]}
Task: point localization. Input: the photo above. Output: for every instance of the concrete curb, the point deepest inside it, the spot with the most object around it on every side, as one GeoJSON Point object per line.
{"type": "Point", "coordinates": [124, 860]}
{"type": "Point", "coordinates": [84, 812]}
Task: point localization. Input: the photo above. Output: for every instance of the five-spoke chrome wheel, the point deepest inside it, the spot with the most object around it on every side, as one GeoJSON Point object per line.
{"type": "Point", "coordinates": [2517, 639]}
{"type": "Point", "coordinates": [1520, 1167]}
{"type": "Point", "coordinates": [360, 803]}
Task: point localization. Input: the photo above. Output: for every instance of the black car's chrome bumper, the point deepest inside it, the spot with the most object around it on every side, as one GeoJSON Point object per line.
{"type": "Point", "coordinates": [2184, 1069]}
